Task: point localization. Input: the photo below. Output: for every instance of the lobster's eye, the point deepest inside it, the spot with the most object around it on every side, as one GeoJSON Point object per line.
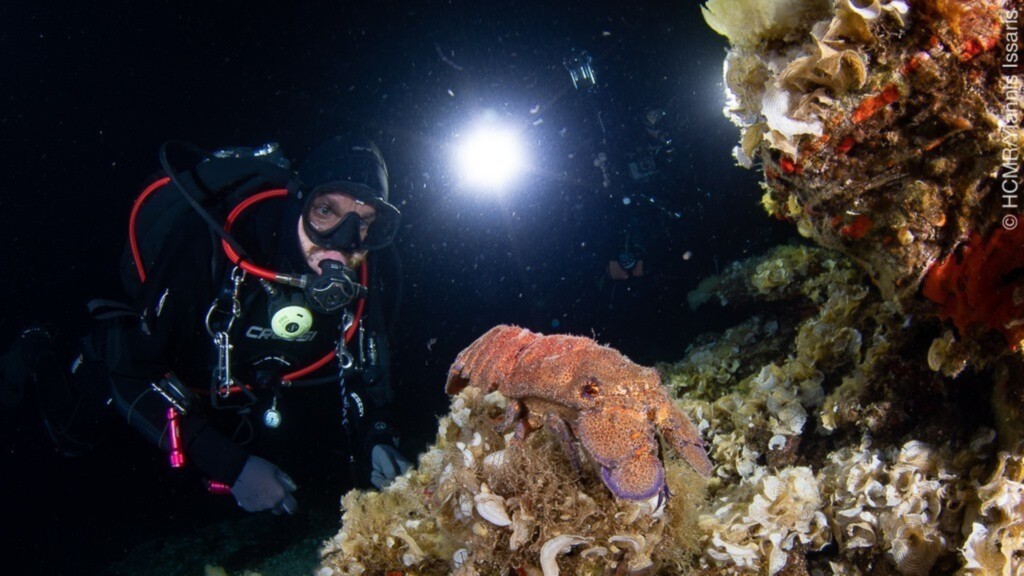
{"type": "Point", "coordinates": [591, 389]}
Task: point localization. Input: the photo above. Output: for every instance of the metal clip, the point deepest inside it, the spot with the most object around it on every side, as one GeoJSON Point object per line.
{"type": "Point", "coordinates": [223, 372]}
{"type": "Point", "coordinates": [237, 277]}
{"type": "Point", "coordinates": [345, 358]}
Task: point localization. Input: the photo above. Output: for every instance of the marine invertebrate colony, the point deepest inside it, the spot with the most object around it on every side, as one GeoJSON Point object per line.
{"type": "Point", "coordinates": [595, 393]}
{"type": "Point", "coordinates": [479, 503]}
{"type": "Point", "coordinates": [881, 127]}
{"type": "Point", "coordinates": [846, 453]}
{"type": "Point", "coordinates": [976, 284]}
{"type": "Point", "coordinates": [836, 449]}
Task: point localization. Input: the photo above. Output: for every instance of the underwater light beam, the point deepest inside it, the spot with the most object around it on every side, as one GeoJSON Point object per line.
{"type": "Point", "coordinates": [490, 158]}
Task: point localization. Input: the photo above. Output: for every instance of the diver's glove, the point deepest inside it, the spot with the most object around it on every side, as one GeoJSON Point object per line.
{"type": "Point", "coordinates": [263, 486]}
{"type": "Point", "coordinates": [388, 464]}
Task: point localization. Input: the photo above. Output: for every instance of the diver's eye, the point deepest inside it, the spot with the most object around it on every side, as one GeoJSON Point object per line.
{"type": "Point", "coordinates": [591, 389]}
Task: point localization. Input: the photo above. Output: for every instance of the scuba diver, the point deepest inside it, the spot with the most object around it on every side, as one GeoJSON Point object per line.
{"type": "Point", "coordinates": [629, 263]}
{"type": "Point", "coordinates": [655, 150]}
{"type": "Point", "coordinates": [626, 268]}
{"type": "Point", "coordinates": [250, 281]}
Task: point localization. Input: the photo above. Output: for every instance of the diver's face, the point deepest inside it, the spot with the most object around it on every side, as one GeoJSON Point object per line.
{"type": "Point", "coordinates": [325, 212]}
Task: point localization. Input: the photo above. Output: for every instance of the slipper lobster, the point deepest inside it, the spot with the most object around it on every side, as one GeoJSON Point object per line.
{"type": "Point", "coordinates": [588, 392]}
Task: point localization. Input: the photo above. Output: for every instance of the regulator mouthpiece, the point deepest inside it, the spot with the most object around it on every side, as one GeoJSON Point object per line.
{"type": "Point", "coordinates": [335, 287]}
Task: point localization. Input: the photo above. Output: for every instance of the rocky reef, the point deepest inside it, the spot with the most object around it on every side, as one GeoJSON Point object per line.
{"type": "Point", "coordinates": [480, 504]}
{"type": "Point", "coordinates": [845, 452]}
{"type": "Point", "coordinates": [837, 449]}
{"type": "Point", "coordinates": [889, 130]}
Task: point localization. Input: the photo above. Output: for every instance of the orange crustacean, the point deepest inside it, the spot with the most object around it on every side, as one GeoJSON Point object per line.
{"type": "Point", "coordinates": [585, 391]}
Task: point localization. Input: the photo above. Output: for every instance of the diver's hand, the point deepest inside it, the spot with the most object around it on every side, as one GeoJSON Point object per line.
{"type": "Point", "coordinates": [388, 463]}
{"type": "Point", "coordinates": [263, 486]}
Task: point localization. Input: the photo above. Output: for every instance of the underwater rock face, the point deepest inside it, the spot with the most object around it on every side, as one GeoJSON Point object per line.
{"type": "Point", "coordinates": [837, 449]}
{"type": "Point", "coordinates": [882, 127]}
{"type": "Point", "coordinates": [480, 503]}
{"type": "Point", "coordinates": [846, 452]}
{"type": "Point", "coordinates": [585, 391]}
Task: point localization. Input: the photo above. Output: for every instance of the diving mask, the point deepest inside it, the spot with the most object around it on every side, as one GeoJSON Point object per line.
{"type": "Point", "coordinates": [347, 220]}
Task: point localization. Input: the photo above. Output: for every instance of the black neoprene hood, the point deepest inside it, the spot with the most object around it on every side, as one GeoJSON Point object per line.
{"type": "Point", "coordinates": [348, 161]}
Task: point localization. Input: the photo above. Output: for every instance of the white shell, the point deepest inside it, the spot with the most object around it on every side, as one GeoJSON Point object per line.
{"type": "Point", "coordinates": [640, 559]}
{"type": "Point", "coordinates": [897, 8]}
{"type": "Point", "coordinates": [778, 442]}
{"type": "Point", "coordinates": [465, 509]}
{"type": "Point", "coordinates": [468, 460]}
{"type": "Point", "coordinates": [775, 106]}
{"type": "Point", "coordinates": [552, 548]}
{"type": "Point", "coordinates": [414, 553]}
{"type": "Point", "coordinates": [634, 542]}
{"type": "Point", "coordinates": [496, 400]}
{"type": "Point", "coordinates": [495, 459]}
{"type": "Point", "coordinates": [491, 507]}
{"type": "Point", "coordinates": [654, 506]}
{"type": "Point", "coordinates": [460, 412]}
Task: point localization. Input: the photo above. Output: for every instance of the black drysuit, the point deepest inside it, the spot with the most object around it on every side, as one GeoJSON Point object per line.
{"type": "Point", "coordinates": [189, 272]}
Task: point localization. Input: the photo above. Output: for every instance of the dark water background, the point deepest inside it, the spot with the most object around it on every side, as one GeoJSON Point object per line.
{"type": "Point", "coordinates": [90, 90]}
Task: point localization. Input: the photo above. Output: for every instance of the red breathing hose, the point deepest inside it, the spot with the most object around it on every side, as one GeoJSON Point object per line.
{"type": "Point", "coordinates": [132, 239]}
{"type": "Point", "coordinates": [232, 255]}
{"type": "Point", "coordinates": [253, 269]}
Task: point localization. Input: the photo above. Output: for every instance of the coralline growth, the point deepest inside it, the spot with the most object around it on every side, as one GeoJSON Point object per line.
{"type": "Point", "coordinates": [841, 449]}
{"type": "Point", "coordinates": [479, 503]}
{"type": "Point", "coordinates": [881, 129]}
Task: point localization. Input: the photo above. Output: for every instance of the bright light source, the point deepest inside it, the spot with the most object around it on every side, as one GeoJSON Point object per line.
{"type": "Point", "coordinates": [490, 158]}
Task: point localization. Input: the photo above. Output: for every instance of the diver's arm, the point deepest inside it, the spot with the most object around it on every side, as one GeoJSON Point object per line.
{"type": "Point", "coordinates": [146, 410]}
{"type": "Point", "coordinates": [377, 427]}
{"type": "Point", "coordinates": [378, 435]}
{"type": "Point", "coordinates": [172, 304]}
{"type": "Point", "coordinates": [367, 398]}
